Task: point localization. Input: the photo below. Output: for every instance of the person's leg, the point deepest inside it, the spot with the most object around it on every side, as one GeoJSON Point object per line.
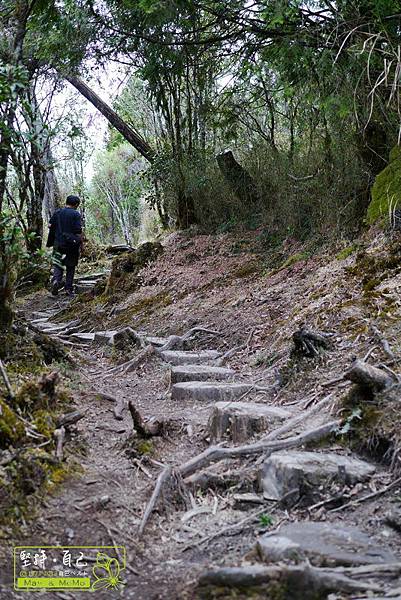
{"type": "Point", "coordinates": [69, 278]}
{"type": "Point", "coordinates": [57, 278]}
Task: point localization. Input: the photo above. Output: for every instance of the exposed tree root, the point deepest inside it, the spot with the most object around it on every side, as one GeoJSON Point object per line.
{"type": "Point", "coordinates": [216, 453]}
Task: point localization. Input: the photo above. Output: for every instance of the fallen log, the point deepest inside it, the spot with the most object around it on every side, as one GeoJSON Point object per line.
{"type": "Point", "coordinates": [216, 453]}
{"type": "Point", "coordinates": [302, 582]}
{"type": "Point", "coordinates": [368, 376]}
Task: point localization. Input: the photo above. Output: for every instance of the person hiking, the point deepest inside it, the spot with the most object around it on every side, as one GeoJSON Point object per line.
{"type": "Point", "coordinates": [65, 236]}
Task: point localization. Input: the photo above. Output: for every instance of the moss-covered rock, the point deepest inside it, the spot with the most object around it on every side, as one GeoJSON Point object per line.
{"type": "Point", "coordinates": [125, 269]}
{"type": "Point", "coordinates": [386, 190]}
{"type": "Point", "coordinates": [12, 430]}
{"type": "Point", "coordinates": [38, 393]}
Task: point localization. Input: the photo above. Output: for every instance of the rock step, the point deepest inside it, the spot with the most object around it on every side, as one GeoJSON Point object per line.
{"type": "Point", "coordinates": [155, 341]}
{"type": "Point", "coordinates": [200, 373]}
{"type": "Point", "coordinates": [204, 357]}
{"type": "Point", "coordinates": [209, 391]}
{"type": "Point", "coordinates": [297, 474]}
{"type": "Point", "coordinates": [104, 337]}
{"type": "Point", "coordinates": [241, 420]}
{"type": "Point", "coordinates": [82, 337]}
{"type": "Point", "coordinates": [324, 544]}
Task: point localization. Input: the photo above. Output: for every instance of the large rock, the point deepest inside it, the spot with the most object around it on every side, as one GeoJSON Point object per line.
{"type": "Point", "coordinates": [204, 357]}
{"type": "Point", "coordinates": [324, 544]}
{"type": "Point", "coordinates": [124, 338]}
{"type": "Point", "coordinates": [295, 474]}
{"type": "Point", "coordinates": [241, 420]}
{"type": "Point", "coordinates": [105, 337]}
{"type": "Point", "coordinates": [200, 373]}
{"type": "Point", "coordinates": [205, 391]}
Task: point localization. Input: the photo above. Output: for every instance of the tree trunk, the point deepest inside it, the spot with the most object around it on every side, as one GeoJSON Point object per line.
{"type": "Point", "coordinates": [237, 178]}
{"type": "Point", "coordinates": [114, 119]}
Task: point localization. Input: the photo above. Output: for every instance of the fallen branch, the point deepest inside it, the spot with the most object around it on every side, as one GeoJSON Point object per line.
{"type": "Point", "coordinates": [6, 380]}
{"type": "Point", "coordinates": [163, 477]}
{"type": "Point", "coordinates": [367, 376]}
{"type": "Point", "coordinates": [216, 453]}
{"type": "Point", "coordinates": [143, 429]}
{"type": "Point", "coordinates": [70, 418]}
{"type": "Point", "coordinates": [59, 435]}
{"type": "Point", "coordinates": [301, 418]}
{"type": "Point", "coordinates": [380, 492]}
{"type": "Point", "coordinates": [309, 580]}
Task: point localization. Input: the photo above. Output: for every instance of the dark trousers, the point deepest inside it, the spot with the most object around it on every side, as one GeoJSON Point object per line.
{"type": "Point", "coordinates": [69, 276]}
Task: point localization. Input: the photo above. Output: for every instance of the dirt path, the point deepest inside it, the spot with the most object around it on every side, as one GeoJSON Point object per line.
{"type": "Point", "coordinates": [103, 505]}
{"type": "Point", "coordinates": [104, 502]}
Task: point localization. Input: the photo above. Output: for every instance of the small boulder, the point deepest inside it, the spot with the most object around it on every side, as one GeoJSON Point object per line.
{"type": "Point", "coordinates": [241, 420]}
{"type": "Point", "coordinates": [324, 544]}
{"type": "Point", "coordinates": [292, 474]}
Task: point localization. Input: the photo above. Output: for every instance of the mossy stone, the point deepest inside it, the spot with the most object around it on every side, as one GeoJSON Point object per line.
{"type": "Point", "coordinates": [386, 190]}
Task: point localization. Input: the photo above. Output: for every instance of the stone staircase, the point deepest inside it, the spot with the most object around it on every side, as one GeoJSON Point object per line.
{"type": "Point", "coordinates": [288, 477]}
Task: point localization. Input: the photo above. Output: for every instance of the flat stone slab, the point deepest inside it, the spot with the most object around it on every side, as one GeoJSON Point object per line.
{"type": "Point", "coordinates": [204, 357]}
{"type": "Point", "coordinates": [295, 474]}
{"type": "Point", "coordinates": [155, 341]}
{"type": "Point", "coordinates": [200, 373]}
{"type": "Point", "coordinates": [241, 420]}
{"type": "Point", "coordinates": [324, 544]}
{"type": "Point", "coordinates": [104, 337]}
{"type": "Point", "coordinates": [209, 391]}
{"type": "Point", "coordinates": [82, 337]}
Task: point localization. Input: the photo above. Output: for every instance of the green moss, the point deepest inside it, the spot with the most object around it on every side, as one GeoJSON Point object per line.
{"type": "Point", "coordinates": [125, 269]}
{"type": "Point", "coordinates": [247, 269]}
{"type": "Point", "coordinates": [346, 252]}
{"type": "Point", "coordinates": [295, 258]}
{"type": "Point", "coordinates": [371, 284]}
{"type": "Point", "coordinates": [386, 190]}
{"type": "Point", "coordinates": [44, 422]}
{"type": "Point", "coordinates": [145, 447]}
{"type": "Point", "coordinates": [12, 430]}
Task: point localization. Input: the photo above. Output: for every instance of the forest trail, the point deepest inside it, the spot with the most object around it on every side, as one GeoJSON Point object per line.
{"type": "Point", "coordinates": [223, 521]}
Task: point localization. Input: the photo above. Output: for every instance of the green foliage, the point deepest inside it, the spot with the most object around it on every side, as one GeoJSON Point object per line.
{"type": "Point", "coordinates": [386, 190]}
{"type": "Point", "coordinates": [266, 520]}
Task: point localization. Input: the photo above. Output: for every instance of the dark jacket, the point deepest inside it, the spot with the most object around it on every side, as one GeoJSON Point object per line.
{"type": "Point", "coordinates": [66, 220]}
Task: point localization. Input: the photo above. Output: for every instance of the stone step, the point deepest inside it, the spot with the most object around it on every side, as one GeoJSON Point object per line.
{"type": "Point", "coordinates": [155, 341]}
{"type": "Point", "coordinates": [297, 474]}
{"type": "Point", "coordinates": [105, 337]}
{"type": "Point", "coordinates": [241, 420]}
{"type": "Point", "coordinates": [82, 337]}
{"type": "Point", "coordinates": [200, 373]}
{"type": "Point", "coordinates": [209, 391]}
{"type": "Point", "coordinates": [323, 544]}
{"type": "Point", "coordinates": [203, 357]}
